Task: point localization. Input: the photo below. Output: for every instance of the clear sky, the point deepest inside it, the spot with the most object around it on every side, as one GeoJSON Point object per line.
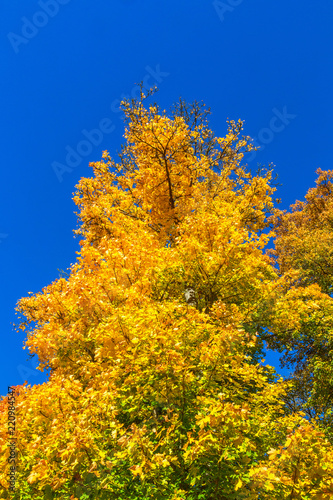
{"type": "Point", "coordinates": [67, 63]}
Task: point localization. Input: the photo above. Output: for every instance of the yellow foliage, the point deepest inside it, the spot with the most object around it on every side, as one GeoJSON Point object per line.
{"type": "Point", "coordinates": [148, 390]}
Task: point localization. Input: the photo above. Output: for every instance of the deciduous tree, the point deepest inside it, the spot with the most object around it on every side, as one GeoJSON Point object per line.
{"type": "Point", "coordinates": [155, 389]}
{"type": "Point", "coordinates": [304, 252]}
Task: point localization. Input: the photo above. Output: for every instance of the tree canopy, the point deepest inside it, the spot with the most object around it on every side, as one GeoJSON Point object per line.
{"type": "Point", "coordinates": [154, 339]}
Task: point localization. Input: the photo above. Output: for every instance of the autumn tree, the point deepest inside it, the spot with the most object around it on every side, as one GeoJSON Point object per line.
{"type": "Point", "coordinates": [304, 251]}
{"type": "Point", "coordinates": [155, 387]}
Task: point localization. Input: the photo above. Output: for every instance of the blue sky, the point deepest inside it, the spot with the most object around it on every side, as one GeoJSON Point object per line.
{"type": "Point", "coordinates": [66, 64]}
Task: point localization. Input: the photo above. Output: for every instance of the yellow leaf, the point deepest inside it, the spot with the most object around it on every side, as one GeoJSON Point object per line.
{"type": "Point", "coordinates": [239, 484]}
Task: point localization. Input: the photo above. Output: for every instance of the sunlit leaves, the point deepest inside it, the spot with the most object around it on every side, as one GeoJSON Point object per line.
{"type": "Point", "coordinates": [302, 321]}
{"type": "Point", "coordinates": [151, 395]}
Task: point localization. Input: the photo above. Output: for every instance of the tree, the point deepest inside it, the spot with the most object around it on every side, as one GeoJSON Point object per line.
{"type": "Point", "coordinates": [155, 389]}
{"type": "Point", "coordinates": [304, 251]}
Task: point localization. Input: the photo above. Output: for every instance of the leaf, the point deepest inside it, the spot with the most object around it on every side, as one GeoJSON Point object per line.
{"type": "Point", "coordinates": [238, 485]}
